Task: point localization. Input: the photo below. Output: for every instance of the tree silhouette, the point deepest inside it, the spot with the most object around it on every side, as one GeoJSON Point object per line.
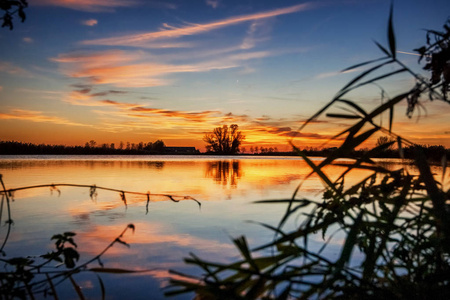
{"type": "Point", "coordinates": [224, 140]}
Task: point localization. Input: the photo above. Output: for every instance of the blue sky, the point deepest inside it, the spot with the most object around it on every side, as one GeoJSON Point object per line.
{"type": "Point", "coordinates": [134, 70]}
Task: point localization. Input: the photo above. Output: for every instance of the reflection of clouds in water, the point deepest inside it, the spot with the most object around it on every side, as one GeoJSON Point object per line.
{"type": "Point", "coordinates": [283, 179]}
{"type": "Point", "coordinates": [152, 245]}
{"type": "Point", "coordinates": [32, 193]}
{"type": "Point", "coordinates": [105, 161]}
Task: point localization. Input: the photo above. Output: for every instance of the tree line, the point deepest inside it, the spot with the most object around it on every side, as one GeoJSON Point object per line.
{"type": "Point", "coordinates": [91, 147]}
{"type": "Point", "coordinates": [434, 152]}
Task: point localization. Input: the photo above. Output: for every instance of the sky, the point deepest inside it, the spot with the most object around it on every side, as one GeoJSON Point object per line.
{"type": "Point", "coordinates": [139, 71]}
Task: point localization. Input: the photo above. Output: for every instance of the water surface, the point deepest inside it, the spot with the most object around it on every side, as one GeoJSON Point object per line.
{"type": "Point", "coordinates": [165, 233]}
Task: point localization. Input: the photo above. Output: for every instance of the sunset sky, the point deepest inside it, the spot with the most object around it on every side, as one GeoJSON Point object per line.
{"type": "Point", "coordinates": [137, 70]}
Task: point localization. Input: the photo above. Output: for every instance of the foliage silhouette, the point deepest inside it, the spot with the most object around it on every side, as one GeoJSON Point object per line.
{"type": "Point", "coordinates": [10, 8]}
{"type": "Point", "coordinates": [224, 140]}
{"type": "Point", "coordinates": [399, 223]}
{"type": "Point", "coordinates": [27, 277]}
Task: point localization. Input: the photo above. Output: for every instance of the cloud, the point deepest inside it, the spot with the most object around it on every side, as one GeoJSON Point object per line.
{"type": "Point", "coordinates": [88, 5]}
{"type": "Point", "coordinates": [12, 69]}
{"type": "Point", "coordinates": [28, 40]}
{"type": "Point", "coordinates": [110, 67]}
{"type": "Point", "coordinates": [191, 116]}
{"type": "Point", "coordinates": [109, 92]}
{"type": "Point", "coordinates": [84, 97]}
{"type": "Point", "coordinates": [335, 73]}
{"type": "Point", "coordinates": [137, 68]}
{"type": "Point", "coordinates": [90, 22]}
{"type": "Point", "coordinates": [81, 97]}
{"type": "Point", "coordinates": [126, 117]}
{"type": "Point", "coordinates": [169, 32]}
{"type": "Point", "coordinates": [213, 3]}
{"type": "Point", "coordinates": [119, 104]}
{"type": "Point", "coordinates": [250, 55]}
{"type": "Point", "coordinates": [258, 31]}
{"type": "Point", "coordinates": [166, 45]}
{"type": "Point", "coordinates": [36, 116]}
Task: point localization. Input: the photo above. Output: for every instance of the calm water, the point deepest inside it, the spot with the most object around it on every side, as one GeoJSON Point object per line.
{"type": "Point", "coordinates": [168, 232]}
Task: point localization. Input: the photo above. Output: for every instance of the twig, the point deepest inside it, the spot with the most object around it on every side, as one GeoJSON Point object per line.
{"type": "Point", "coordinates": [174, 198]}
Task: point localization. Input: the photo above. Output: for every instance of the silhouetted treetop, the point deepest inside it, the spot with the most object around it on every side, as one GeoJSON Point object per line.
{"type": "Point", "coordinates": [11, 7]}
{"type": "Point", "coordinates": [224, 140]}
{"type": "Point", "coordinates": [437, 55]}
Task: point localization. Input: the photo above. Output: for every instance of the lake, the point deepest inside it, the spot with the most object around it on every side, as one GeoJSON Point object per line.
{"type": "Point", "coordinates": [166, 231]}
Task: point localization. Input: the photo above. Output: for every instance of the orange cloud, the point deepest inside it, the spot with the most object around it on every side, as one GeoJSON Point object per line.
{"type": "Point", "coordinates": [191, 29]}
{"type": "Point", "coordinates": [136, 68]}
{"type": "Point", "coordinates": [164, 122]}
{"type": "Point", "coordinates": [88, 5]}
{"type": "Point", "coordinates": [99, 237]}
{"type": "Point", "coordinates": [192, 116]}
{"type": "Point", "coordinates": [182, 124]}
{"type": "Point", "coordinates": [36, 116]}
{"type": "Point", "coordinates": [90, 22]}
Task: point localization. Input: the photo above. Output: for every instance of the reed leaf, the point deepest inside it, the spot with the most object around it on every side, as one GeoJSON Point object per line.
{"type": "Point", "coordinates": [391, 118]}
{"type": "Point", "coordinates": [343, 116]}
{"type": "Point", "coordinates": [348, 146]}
{"type": "Point", "coordinates": [383, 49]}
{"type": "Point", "coordinates": [364, 63]}
{"type": "Point", "coordinates": [77, 288]}
{"type": "Point", "coordinates": [354, 105]}
{"type": "Point", "coordinates": [349, 244]}
{"type": "Point", "coordinates": [316, 169]}
{"type": "Point", "coordinates": [375, 79]}
{"type": "Point", "coordinates": [241, 244]}
{"type": "Point", "coordinates": [391, 34]}
{"type": "Point", "coordinates": [102, 287]}
{"type": "Point", "coordinates": [444, 167]}
{"type": "Point", "coordinates": [347, 88]}
{"type": "Point", "coordinates": [115, 270]}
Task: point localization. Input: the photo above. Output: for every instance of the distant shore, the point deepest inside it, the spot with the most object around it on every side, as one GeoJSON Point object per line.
{"type": "Point", "coordinates": [434, 153]}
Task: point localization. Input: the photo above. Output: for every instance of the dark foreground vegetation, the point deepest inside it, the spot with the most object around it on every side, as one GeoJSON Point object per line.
{"type": "Point", "coordinates": [390, 230]}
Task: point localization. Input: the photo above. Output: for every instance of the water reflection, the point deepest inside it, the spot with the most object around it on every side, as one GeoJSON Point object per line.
{"type": "Point", "coordinates": [169, 231]}
{"type": "Point", "coordinates": [224, 172]}
{"type": "Point", "coordinates": [34, 163]}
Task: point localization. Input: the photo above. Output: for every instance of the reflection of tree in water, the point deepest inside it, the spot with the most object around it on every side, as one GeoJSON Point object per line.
{"type": "Point", "coordinates": [224, 172]}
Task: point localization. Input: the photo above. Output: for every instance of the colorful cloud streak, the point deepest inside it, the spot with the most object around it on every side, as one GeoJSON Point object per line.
{"type": "Point", "coordinates": [37, 116]}
{"type": "Point", "coordinates": [170, 32]}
